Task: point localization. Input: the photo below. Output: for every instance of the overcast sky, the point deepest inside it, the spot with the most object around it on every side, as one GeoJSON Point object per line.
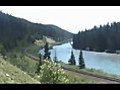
{"type": "Point", "coordinates": [71, 18]}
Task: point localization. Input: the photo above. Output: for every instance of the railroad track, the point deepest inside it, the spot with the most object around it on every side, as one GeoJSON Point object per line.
{"type": "Point", "coordinates": [92, 75]}
{"type": "Point", "coordinates": [81, 72]}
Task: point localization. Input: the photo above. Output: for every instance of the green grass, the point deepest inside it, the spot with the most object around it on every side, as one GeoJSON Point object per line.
{"type": "Point", "coordinates": [75, 78]}
{"type": "Point", "coordinates": [11, 74]}
{"type": "Point", "coordinates": [23, 62]}
{"type": "Point", "coordinates": [33, 49]}
{"type": "Point", "coordinates": [100, 72]}
{"type": "Point", "coordinates": [94, 71]}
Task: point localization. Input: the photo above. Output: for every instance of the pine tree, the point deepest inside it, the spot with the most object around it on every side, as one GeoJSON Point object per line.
{"type": "Point", "coordinates": [47, 53]}
{"type": "Point", "coordinates": [72, 59]}
{"type": "Point", "coordinates": [55, 58]}
{"type": "Point", "coordinates": [81, 60]}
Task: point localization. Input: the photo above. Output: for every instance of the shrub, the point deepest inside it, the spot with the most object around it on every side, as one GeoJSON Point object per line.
{"type": "Point", "coordinates": [51, 73]}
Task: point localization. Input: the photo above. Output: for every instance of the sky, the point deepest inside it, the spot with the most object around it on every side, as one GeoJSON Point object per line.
{"type": "Point", "coordinates": [70, 18]}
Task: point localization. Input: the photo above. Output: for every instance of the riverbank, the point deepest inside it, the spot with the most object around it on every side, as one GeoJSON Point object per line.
{"type": "Point", "coordinates": [92, 70]}
{"type": "Point", "coordinates": [109, 63]}
{"type": "Point", "coordinates": [75, 78]}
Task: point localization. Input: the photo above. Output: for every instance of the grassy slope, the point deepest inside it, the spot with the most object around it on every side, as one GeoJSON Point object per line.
{"type": "Point", "coordinates": [25, 63]}
{"type": "Point", "coordinates": [16, 69]}
{"type": "Point", "coordinates": [11, 74]}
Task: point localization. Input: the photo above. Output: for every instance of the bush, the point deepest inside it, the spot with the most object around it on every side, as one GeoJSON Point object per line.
{"type": "Point", "coordinates": [51, 73]}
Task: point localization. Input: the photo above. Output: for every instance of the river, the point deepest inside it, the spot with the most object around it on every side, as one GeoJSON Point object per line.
{"type": "Point", "coordinates": [109, 63]}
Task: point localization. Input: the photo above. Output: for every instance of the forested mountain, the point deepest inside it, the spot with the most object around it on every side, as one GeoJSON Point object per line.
{"type": "Point", "coordinates": [16, 31]}
{"type": "Point", "coordinates": [106, 37]}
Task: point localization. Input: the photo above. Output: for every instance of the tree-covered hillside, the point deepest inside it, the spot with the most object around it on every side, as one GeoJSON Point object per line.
{"type": "Point", "coordinates": [106, 37]}
{"type": "Point", "coordinates": [16, 31]}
